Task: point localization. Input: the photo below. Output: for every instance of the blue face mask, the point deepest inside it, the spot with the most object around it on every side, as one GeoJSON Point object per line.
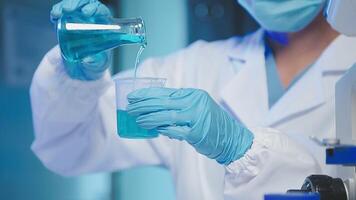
{"type": "Point", "coordinates": [283, 15]}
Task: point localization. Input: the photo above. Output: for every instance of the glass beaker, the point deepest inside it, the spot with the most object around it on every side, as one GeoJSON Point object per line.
{"type": "Point", "coordinates": [126, 124]}
{"type": "Point", "coordinates": [80, 36]}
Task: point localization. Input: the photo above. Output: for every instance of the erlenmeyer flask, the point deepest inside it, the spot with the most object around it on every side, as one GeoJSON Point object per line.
{"type": "Point", "coordinates": [80, 37]}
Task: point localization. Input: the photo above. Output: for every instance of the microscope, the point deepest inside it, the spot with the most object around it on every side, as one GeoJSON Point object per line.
{"type": "Point", "coordinates": [340, 151]}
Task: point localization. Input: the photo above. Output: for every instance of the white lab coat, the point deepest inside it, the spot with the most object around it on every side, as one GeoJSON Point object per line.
{"type": "Point", "coordinates": [75, 121]}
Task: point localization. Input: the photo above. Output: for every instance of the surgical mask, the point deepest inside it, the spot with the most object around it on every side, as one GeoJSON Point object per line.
{"type": "Point", "coordinates": [283, 15]}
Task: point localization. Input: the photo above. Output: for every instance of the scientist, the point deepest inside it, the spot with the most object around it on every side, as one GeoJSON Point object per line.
{"type": "Point", "coordinates": [281, 77]}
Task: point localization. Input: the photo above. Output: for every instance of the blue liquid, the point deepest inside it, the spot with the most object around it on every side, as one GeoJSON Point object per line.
{"type": "Point", "coordinates": [80, 38]}
{"type": "Point", "coordinates": [128, 128]}
{"type": "Point", "coordinates": [78, 44]}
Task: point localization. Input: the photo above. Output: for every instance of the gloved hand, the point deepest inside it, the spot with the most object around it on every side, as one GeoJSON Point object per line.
{"type": "Point", "coordinates": [191, 115]}
{"type": "Point", "coordinates": [92, 67]}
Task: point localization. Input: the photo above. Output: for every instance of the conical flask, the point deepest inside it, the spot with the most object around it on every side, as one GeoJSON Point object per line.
{"type": "Point", "coordinates": [80, 37]}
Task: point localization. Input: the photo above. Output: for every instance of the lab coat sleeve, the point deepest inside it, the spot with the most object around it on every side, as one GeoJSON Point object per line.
{"type": "Point", "coordinates": [274, 164]}
{"type": "Point", "coordinates": [75, 124]}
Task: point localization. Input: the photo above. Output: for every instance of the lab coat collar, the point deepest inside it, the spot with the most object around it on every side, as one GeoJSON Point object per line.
{"type": "Point", "coordinates": [340, 55]}
{"type": "Point", "coordinates": [245, 47]}
{"type": "Point", "coordinates": [246, 94]}
{"type": "Point", "coordinates": [309, 92]}
{"type": "Point", "coordinates": [303, 96]}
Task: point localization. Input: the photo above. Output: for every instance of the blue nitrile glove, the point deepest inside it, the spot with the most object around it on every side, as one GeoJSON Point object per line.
{"type": "Point", "coordinates": [92, 67]}
{"type": "Point", "coordinates": [191, 115]}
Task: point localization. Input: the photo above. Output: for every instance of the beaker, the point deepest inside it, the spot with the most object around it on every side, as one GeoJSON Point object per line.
{"type": "Point", "coordinates": [126, 124]}
{"type": "Point", "coordinates": [80, 36]}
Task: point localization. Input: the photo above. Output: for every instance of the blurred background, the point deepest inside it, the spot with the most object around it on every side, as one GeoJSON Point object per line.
{"type": "Point", "coordinates": [27, 34]}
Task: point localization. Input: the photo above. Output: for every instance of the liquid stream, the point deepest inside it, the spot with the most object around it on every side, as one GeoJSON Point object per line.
{"type": "Point", "coordinates": [137, 61]}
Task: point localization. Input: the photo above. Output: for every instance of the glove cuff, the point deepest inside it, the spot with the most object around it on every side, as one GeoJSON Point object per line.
{"type": "Point", "coordinates": [237, 146]}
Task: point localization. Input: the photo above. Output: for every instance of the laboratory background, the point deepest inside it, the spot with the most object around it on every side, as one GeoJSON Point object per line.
{"type": "Point", "coordinates": [27, 34]}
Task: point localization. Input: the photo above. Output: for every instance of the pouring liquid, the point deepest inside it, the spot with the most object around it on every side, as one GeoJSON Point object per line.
{"type": "Point", "coordinates": [137, 61]}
